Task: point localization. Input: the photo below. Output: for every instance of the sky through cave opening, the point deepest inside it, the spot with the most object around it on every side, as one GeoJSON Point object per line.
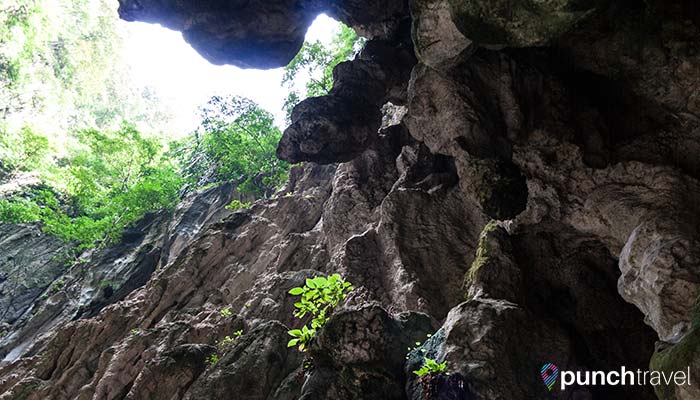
{"type": "Point", "coordinates": [159, 58]}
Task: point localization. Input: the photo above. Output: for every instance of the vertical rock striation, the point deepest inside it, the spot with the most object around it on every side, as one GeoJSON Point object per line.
{"type": "Point", "coordinates": [538, 202]}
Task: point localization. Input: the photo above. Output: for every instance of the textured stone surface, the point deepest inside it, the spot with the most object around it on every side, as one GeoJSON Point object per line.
{"type": "Point", "coordinates": [341, 125]}
{"type": "Point", "coordinates": [529, 303]}
{"type": "Point", "coordinates": [363, 349]}
{"type": "Point", "coordinates": [253, 369]}
{"type": "Point", "coordinates": [519, 24]}
{"type": "Point", "coordinates": [581, 152]}
{"type": "Point", "coordinates": [435, 36]}
{"type": "Point", "coordinates": [106, 277]}
{"type": "Point", "coordinates": [29, 262]}
{"type": "Point", "coordinates": [683, 356]}
{"type": "Point", "coordinates": [470, 112]}
{"type": "Point", "coordinates": [329, 129]}
{"type": "Point", "coordinates": [261, 34]}
{"type": "Point", "coordinates": [249, 34]}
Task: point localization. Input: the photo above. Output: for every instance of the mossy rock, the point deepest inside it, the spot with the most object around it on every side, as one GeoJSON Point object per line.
{"type": "Point", "coordinates": [501, 188]}
{"type": "Point", "coordinates": [482, 253]}
{"type": "Point", "coordinates": [679, 357]}
{"type": "Point", "coordinates": [518, 23]}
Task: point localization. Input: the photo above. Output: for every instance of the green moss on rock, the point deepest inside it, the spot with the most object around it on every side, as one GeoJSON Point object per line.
{"type": "Point", "coordinates": [518, 23]}
{"type": "Point", "coordinates": [680, 356]}
{"type": "Point", "coordinates": [482, 253]}
{"type": "Point", "coordinates": [499, 187]}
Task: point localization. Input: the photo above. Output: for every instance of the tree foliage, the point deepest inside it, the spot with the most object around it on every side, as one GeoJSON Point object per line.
{"type": "Point", "coordinates": [236, 141]}
{"type": "Point", "coordinates": [24, 150]}
{"type": "Point", "coordinates": [109, 180]}
{"type": "Point", "coordinates": [62, 65]}
{"type": "Point", "coordinates": [65, 92]}
{"type": "Point", "coordinates": [314, 63]}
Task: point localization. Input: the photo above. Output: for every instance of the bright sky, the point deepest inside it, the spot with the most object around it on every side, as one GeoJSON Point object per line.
{"type": "Point", "coordinates": [160, 58]}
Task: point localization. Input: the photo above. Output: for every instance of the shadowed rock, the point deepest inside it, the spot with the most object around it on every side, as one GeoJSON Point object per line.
{"type": "Point", "coordinates": [341, 125]}
{"type": "Point", "coordinates": [520, 24]}
{"type": "Point", "coordinates": [248, 34]}
{"type": "Point", "coordinates": [585, 151]}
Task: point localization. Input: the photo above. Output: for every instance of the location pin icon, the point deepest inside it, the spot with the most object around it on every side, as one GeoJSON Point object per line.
{"type": "Point", "coordinates": [549, 373]}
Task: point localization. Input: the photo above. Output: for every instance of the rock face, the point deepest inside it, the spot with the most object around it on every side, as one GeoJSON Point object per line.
{"type": "Point", "coordinates": [44, 291]}
{"type": "Point", "coordinates": [521, 24]}
{"type": "Point", "coordinates": [259, 33]}
{"type": "Point", "coordinates": [30, 261]}
{"type": "Point", "coordinates": [249, 34]}
{"type": "Point", "coordinates": [535, 204]}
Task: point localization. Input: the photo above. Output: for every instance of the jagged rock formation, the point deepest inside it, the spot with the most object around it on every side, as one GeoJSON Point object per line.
{"type": "Point", "coordinates": [30, 262]}
{"type": "Point", "coordinates": [41, 291]}
{"type": "Point", "coordinates": [581, 152]}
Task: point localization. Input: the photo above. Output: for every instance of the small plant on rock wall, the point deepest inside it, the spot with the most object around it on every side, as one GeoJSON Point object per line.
{"type": "Point", "coordinates": [431, 366]}
{"type": "Point", "coordinates": [57, 286]}
{"type": "Point", "coordinates": [301, 337]}
{"type": "Point", "coordinates": [319, 296]}
{"type": "Point", "coordinates": [212, 359]}
{"type": "Point", "coordinates": [236, 205]}
{"type": "Point", "coordinates": [226, 312]}
{"type": "Point", "coordinates": [223, 346]}
{"type": "Point", "coordinates": [418, 344]}
{"type": "Point", "coordinates": [228, 340]}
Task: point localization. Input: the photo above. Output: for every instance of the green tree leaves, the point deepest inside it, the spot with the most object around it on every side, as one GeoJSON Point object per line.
{"type": "Point", "coordinates": [314, 63]}
{"type": "Point", "coordinates": [63, 65]}
{"type": "Point", "coordinates": [110, 179]}
{"type": "Point", "coordinates": [24, 150]}
{"type": "Point", "coordinates": [237, 141]}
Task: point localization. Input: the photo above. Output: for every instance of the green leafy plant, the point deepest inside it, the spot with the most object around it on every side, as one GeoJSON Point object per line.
{"type": "Point", "coordinates": [24, 150]}
{"type": "Point", "coordinates": [301, 337]}
{"type": "Point", "coordinates": [430, 366]}
{"type": "Point", "coordinates": [236, 141]}
{"type": "Point", "coordinates": [107, 181]}
{"type": "Point", "coordinates": [226, 343]}
{"type": "Point", "coordinates": [227, 340]}
{"type": "Point", "coordinates": [212, 359]}
{"type": "Point", "coordinates": [418, 344]}
{"type": "Point", "coordinates": [226, 312]}
{"type": "Point", "coordinates": [56, 287]}
{"type": "Point", "coordinates": [315, 62]}
{"type": "Point", "coordinates": [236, 205]}
{"type": "Point", "coordinates": [308, 364]}
{"type": "Point", "coordinates": [318, 297]}
{"type": "Point", "coordinates": [135, 332]}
